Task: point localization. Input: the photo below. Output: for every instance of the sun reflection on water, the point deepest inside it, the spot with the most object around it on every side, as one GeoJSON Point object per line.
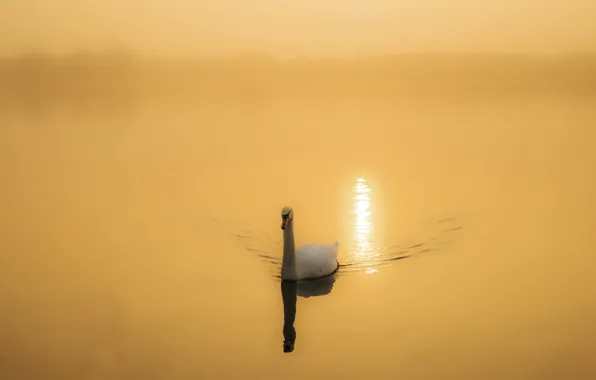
{"type": "Point", "coordinates": [362, 236]}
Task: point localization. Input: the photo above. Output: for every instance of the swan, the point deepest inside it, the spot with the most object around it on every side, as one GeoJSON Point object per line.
{"type": "Point", "coordinates": [307, 261]}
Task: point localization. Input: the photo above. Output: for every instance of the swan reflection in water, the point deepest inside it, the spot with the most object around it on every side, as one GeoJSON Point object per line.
{"type": "Point", "coordinates": [290, 290]}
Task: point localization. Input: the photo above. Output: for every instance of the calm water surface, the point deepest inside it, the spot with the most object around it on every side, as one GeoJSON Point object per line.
{"type": "Point", "coordinates": [142, 241]}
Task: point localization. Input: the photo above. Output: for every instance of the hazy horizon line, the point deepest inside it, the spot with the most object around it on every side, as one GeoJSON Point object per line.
{"type": "Point", "coordinates": [258, 54]}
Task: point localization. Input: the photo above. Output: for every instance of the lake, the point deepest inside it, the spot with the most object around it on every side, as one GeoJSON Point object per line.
{"type": "Point", "coordinates": [140, 241]}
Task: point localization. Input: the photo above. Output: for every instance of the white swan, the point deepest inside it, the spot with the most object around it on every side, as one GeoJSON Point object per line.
{"type": "Point", "coordinates": [309, 260]}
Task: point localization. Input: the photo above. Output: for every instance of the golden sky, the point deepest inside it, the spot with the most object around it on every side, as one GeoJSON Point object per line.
{"type": "Point", "coordinates": [298, 27]}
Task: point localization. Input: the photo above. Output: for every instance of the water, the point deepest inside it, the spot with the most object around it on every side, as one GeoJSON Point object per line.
{"type": "Point", "coordinates": [142, 241]}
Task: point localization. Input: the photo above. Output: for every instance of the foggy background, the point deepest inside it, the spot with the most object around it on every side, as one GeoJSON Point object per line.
{"type": "Point", "coordinates": [298, 28]}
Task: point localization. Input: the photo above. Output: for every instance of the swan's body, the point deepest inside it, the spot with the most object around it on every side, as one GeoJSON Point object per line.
{"type": "Point", "coordinates": [307, 261]}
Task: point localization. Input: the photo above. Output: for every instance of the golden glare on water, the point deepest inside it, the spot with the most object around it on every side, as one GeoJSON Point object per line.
{"type": "Point", "coordinates": [363, 247]}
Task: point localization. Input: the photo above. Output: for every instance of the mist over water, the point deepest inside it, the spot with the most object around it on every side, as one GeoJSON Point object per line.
{"type": "Point", "coordinates": [121, 255]}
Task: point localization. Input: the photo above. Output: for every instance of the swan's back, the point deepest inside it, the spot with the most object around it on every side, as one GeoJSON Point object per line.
{"type": "Point", "coordinates": [316, 260]}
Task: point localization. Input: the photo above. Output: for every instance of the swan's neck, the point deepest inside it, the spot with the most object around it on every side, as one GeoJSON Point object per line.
{"type": "Point", "coordinates": [288, 265]}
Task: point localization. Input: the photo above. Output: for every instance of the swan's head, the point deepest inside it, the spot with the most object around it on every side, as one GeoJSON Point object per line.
{"type": "Point", "coordinates": [288, 346]}
{"type": "Point", "coordinates": [286, 216]}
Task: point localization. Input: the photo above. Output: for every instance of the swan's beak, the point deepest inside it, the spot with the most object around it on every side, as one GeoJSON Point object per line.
{"type": "Point", "coordinates": [285, 219]}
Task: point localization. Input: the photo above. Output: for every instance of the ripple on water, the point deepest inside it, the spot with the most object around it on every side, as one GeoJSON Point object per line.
{"type": "Point", "coordinates": [362, 255]}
